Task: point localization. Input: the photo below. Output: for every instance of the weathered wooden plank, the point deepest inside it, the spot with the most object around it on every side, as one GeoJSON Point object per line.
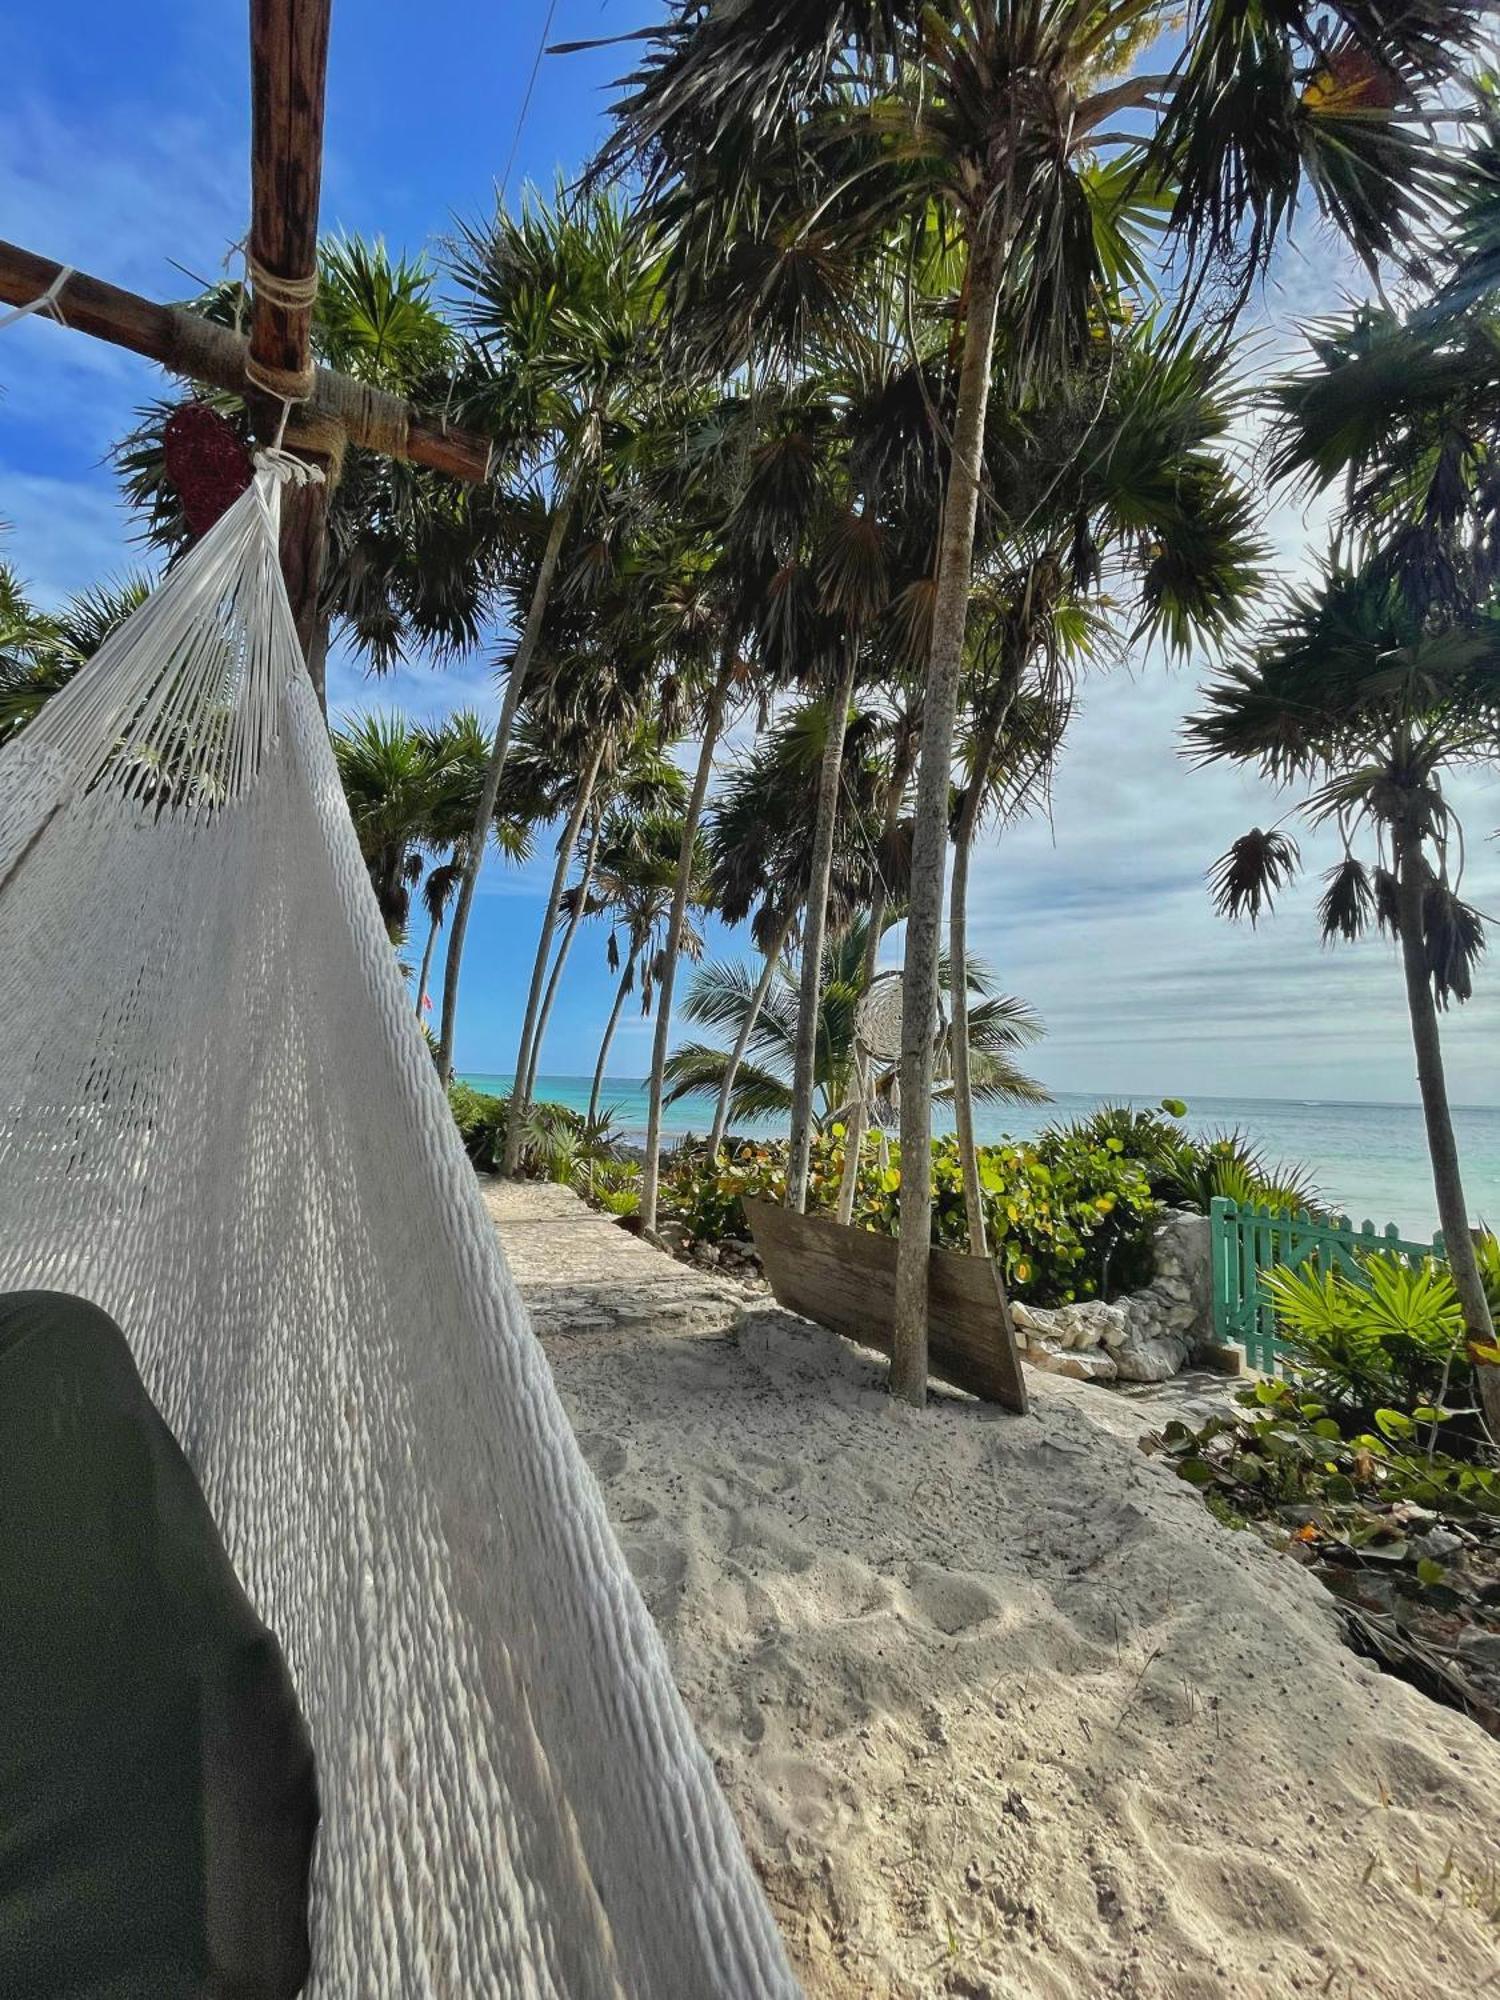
{"type": "Point", "coordinates": [845, 1279]}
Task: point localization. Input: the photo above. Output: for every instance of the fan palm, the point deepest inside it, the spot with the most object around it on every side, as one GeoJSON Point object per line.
{"type": "Point", "coordinates": [766, 833]}
{"type": "Point", "coordinates": [635, 775]}
{"type": "Point", "coordinates": [40, 651]}
{"type": "Point", "coordinates": [409, 790]}
{"type": "Point", "coordinates": [785, 132]}
{"type": "Point", "coordinates": [1366, 698]}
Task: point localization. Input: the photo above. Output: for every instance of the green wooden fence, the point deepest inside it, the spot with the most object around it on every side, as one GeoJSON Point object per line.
{"type": "Point", "coordinates": [1249, 1241]}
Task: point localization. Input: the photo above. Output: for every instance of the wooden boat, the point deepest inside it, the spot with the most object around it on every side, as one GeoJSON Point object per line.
{"type": "Point", "coordinates": [845, 1279]}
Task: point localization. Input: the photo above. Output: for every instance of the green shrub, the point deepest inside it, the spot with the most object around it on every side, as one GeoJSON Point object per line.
{"type": "Point", "coordinates": [1066, 1220]}
{"type": "Point", "coordinates": [1284, 1455]}
{"type": "Point", "coordinates": [481, 1124]}
{"type": "Point", "coordinates": [558, 1144]}
{"type": "Point", "coordinates": [1388, 1332]}
{"type": "Point", "coordinates": [1189, 1172]}
{"type": "Point", "coordinates": [614, 1186]}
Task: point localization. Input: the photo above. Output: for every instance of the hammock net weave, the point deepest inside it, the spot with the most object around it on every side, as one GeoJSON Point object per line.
{"type": "Point", "coordinates": [220, 1122]}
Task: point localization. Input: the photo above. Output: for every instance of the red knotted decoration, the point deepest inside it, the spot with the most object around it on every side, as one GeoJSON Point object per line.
{"type": "Point", "coordinates": [207, 463]}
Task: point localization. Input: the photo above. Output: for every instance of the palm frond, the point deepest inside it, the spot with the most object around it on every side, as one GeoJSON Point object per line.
{"type": "Point", "coordinates": [1246, 879]}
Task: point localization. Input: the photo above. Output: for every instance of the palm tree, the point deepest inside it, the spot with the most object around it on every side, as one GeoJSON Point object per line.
{"type": "Point", "coordinates": [461, 742]}
{"type": "Point", "coordinates": [405, 787]}
{"type": "Point", "coordinates": [764, 837]}
{"type": "Point", "coordinates": [624, 767]}
{"type": "Point", "coordinates": [635, 878]}
{"type": "Point", "coordinates": [41, 651]}
{"type": "Point", "coordinates": [1371, 702]}
{"type": "Point", "coordinates": [1008, 750]}
{"type": "Point", "coordinates": [560, 301]}
{"type": "Point", "coordinates": [1036, 140]}
{"type": "Point", "coordinates": [723, 997]}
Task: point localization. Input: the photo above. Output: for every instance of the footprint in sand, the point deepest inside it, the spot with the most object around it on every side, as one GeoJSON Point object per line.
{"type": "Point", "coordinates": [607, 1456]}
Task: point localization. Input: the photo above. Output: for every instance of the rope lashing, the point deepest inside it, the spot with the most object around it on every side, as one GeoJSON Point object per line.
{"type": "Point", "coordinates": [291, 294]}
{"type": "Point", "coordinates": [287, 385]}
{"type": "Point", "coordinates": [47, 303]}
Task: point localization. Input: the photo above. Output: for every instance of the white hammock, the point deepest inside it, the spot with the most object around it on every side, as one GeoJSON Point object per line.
{"type": "Point", "coordinates": [219, 1121]}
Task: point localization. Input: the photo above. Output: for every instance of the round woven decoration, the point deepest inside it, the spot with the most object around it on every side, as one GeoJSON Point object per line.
{"type": "Point", "coordinates": [877, 1019]}
{"type": "Point", "coordinates": [208, 464]}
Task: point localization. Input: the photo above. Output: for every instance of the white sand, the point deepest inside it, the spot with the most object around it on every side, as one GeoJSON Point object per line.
{"type": "Point", "coordinates": [1000, 1708]}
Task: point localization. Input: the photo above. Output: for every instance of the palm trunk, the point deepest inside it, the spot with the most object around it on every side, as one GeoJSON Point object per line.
{"type": "Point", "coordinates": [854, 1138]}
{"type": "Point", "coordinates": [958, 977]}
{"type": "Point", "coordinates": [651, 1174]}
{"type": "Point", "coordinates": [317, 658]}
{"type": "Point", "coordinates": [626, 980]}
{"type": "Point", "coordinates": [958, 1002]}
{"type": "Point", "coordinates": [747, 1029]}
{"type": "Point", "coordinates": [520, 1090]}
{"type": "Point", "coordinates": [432, 931]}
{"type": "Point", "coordinates": [490, 790]}
{"type": "Point", "coordinates": [814, 924]}
{"type": "Point", "coordinates": [1453, 1210]}
{"type": "Point", "coordinates": [586, 876]}
{"type": "Point", "coordinates": [924, 918]}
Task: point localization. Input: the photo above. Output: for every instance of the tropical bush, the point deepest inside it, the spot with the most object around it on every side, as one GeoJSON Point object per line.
{"type": "Point", "coordinates": [558, 1143]}
{"type": "Point", "coordinates": [1389, 1331]}
{"type": "Point", "coordinates": [1068, 1214]}
{"type": "Point", "coordinates": [1067, 1220]}
{"type": "Point", "coordinates": [1283, 1454]}
{"type": "Point", "coordinates": [1190, 1172]}
{"type": "Point", "coordinates": [480, 1118]}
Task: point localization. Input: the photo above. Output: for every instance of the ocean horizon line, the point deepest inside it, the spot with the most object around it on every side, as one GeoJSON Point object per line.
{"type": "Point", "coordinates": [639, 1083]}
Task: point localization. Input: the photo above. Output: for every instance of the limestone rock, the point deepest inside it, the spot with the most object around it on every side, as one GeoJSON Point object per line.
{"type": "Point", "coordinates": [1153, 1359]}
{"type": "Point", "coordinates": [1082, 1364]}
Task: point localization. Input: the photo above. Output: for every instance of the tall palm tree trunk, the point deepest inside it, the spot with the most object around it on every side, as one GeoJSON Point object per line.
{"type": "Point", "coordinates": [746, 1030]}
{"type": "Point", "coordinates": [521, 1086]}
{"type": "Point", "coordinates": [651, 1172]}
{"type": "Point", "coordinates": [627, 979]}
{"type": "Point", "coordinates": [814, 924]}
{"type": "Point", "coordinates": [958, 1001]}
{"type": "Point", "coordinates": [958, 978]}
{"type": "Point", "coordinates": [924, 917]}
{"type": "Point", "coordinates": [489, 791]}
{"type": "Point", "coordinates": [1453, 1210]}
{"type": "Point", "coordinates": [427, 950]}
{"type": "Point", "coordinates": [570, 931]}
{"type": "Point", "coordinates": [854, 1137]}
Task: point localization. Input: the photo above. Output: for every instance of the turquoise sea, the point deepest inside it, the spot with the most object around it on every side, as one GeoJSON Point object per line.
{"type": "Point", "coordinates": [1369, 1160]}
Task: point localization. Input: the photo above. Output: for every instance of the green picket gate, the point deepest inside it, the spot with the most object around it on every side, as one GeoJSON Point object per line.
{"type": "Point", "coordinates": [1247, 1242]}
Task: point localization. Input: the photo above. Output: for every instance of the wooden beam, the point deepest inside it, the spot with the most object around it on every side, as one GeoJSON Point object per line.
{"type": "Point", "coordinates": [288, 78]}
{"type": "Point", "coordinates": [189, 345]}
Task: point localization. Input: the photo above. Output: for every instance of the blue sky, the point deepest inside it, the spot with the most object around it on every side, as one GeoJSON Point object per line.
{"type": "Point", "coordinates": [124, 147]}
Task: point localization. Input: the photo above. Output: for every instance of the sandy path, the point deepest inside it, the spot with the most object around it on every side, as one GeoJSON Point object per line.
{"type": "Point", "coordinates": [1000, 1708]}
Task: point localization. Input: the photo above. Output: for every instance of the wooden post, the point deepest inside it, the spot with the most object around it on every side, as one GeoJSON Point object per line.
{"type": "Point", "coordinates": [288, 79]}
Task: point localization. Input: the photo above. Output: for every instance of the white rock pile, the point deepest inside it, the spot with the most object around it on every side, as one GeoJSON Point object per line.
{"type": "Point", "coordinates": [1145, 1336]}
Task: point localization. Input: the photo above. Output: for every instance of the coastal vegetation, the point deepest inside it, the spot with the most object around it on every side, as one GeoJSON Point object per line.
{"type": "Point", "coordinates": [1368, 1460]}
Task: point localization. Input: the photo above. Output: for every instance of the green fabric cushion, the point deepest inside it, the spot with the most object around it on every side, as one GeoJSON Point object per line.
{"type": "Point", "coordinates": [157, 1795]}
